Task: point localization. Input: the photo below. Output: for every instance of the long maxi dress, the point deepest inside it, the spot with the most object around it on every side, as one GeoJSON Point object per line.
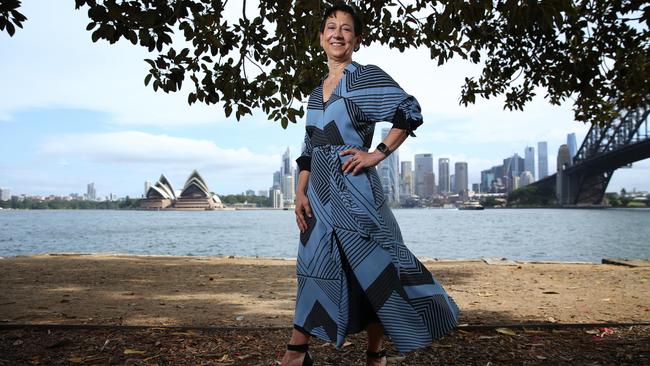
{"type": "Point", "coordinates": [353, 267]}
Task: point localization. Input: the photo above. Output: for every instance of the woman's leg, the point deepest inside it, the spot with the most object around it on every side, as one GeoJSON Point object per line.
{"type": "Point", "coordinates": [292, 358]}
{"type": "Point", "coordinates": [375, 340]}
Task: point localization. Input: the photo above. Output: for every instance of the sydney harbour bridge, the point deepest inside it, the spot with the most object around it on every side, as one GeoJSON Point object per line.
{"type": "Point", "coordinates": [582, 181]}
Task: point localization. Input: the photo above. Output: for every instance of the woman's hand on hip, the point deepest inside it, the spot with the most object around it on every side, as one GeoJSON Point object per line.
{"type": "Point", "coordinates": [303, 210]}
{"type": "Point", "coordinates": [360, 160]}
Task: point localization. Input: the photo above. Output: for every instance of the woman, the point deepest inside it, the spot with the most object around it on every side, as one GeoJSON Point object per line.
{"type": "Point", "coordinates": [353, 270]}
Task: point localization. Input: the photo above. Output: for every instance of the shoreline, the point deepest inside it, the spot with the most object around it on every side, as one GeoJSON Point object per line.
{"type": "Point", "coordinates": [488, 260]}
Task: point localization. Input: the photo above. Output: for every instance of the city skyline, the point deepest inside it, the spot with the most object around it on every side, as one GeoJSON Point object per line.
{"type": "Point", "coordinates": [85, 116]}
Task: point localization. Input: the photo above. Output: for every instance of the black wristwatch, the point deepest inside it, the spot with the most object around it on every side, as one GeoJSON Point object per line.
{"type": "Point", "coordinates": [384, 149]}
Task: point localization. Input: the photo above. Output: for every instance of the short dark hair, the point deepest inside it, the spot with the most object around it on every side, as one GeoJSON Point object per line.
{"type": "Point", "coordinates": [358, 24]}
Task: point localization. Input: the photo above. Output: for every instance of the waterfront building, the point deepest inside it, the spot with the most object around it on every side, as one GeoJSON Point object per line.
{"type": "Point", "coordinates": [406, 180]}
{"type": "Point", "coordinates": [529, 160]}
{"type": "Point", "coordinates": [526, 178]}
{"type": "Point", "coordinates": [277, 178]}
{"type": "Point", "coordinates": [542, 159]}
{"type": "Point", "coordinates": [423, 174]}
{"type": "Point", "coordinates": [159, 196]}
{"type": "Point", "coordinates": [444, 182]}
{"type": "Point", "coordinates": [461, 180]}
{"type": "Point", "coordinates": [476, 187]}
{"type": "Point", "coordinates": [572, 146]}
{"type": "Point", "coordinates": [452, 184]}
{"type": "Point", "coordinates": [288, 192]}
{"type": "Point", "coordinates": [5, 194]}
{"type": "Point", "coordinates": [91, 193]}
{"type": "Point", "coordinates": [196, 195]}
{"type": "Point", "coordinates": [561, 182]}
{"type": "Point", "coordinates": [389, 173]}
{"type": "Point", "coordinates": [287, 181]}
{"type": "Point", "coordinates": [276, 198]}
{"type": "Point", "coordinates": [263, 193]}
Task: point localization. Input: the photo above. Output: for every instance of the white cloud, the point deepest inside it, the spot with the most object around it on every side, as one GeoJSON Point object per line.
{"type": "Point", "coordinates": [132, 147]}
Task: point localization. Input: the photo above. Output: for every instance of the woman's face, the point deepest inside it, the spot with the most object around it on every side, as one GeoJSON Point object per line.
{"type": "Point", "coordinates": [338, 38]}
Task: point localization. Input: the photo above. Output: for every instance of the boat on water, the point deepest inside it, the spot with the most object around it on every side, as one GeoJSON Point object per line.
{"type": "Point", "coordinates": [470, 205]}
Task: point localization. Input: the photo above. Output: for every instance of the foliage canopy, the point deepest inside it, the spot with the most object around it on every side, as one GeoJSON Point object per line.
{"type": "Point", "coordinates": [594, 53]}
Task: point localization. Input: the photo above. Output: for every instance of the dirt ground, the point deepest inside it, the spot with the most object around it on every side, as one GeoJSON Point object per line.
{"type": "Point", "coordinates": [249, 302]}
{"type": "Point", "coordinates": [218, 291]}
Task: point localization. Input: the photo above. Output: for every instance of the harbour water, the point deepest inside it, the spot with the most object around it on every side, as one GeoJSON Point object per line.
{"type": "Point", "coordinates": [520, 234]}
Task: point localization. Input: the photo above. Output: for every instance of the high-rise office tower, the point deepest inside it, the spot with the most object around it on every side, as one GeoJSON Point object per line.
{"type": "Point", "coordinates": [287, 167]}
{"type": "Point", "coordinates": [572, 145]}
{"type": "Point", "coordinates": [542, 159]}
{"type": "Point", "coordinates": [529, 160]}
{"type": "Point", "coordinates": [461, 180]}
{"type": "Point", "coordinates": [287, 185]}
{"type": "Point", "coordinates": [443, 176]}
{"type": "Point", "coordinates": [277, 179]}
{"type": "Point", "coordinates": [406, 180]}
{"type": "Point", "coordinates": [424, 177]}
{"type": "Point", "coordinates": [91, 193]}
{"type": "Point", "coordinates": [513, 166]}
{"type": "Point", "coordinates": [389, 173]}
{"type": "Point", "coordinates": [5, 194]}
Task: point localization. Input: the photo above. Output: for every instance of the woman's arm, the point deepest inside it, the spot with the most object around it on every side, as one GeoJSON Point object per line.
{"type": "Point", "coordinates": [302, 202]}
{"type": "Point", "coordinates": [362, 160]}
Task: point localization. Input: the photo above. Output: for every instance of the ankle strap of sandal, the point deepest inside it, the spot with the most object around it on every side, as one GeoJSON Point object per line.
{"type": "Point", "coordinates": [379, 354]}
{"type": "Point", "coordinates": [302, 348]}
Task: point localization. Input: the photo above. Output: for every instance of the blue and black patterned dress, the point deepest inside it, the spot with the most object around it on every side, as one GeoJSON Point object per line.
{"type": "Point", "coordinates": [353, 267]}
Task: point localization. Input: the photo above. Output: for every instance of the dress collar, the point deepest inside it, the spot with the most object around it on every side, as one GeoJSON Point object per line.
{"type": "Point", "coordinates": [351, 67]}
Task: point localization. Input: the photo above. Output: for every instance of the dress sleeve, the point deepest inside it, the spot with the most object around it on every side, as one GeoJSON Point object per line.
{"type": "Point", "coordinates": [304, 160]}
{"type": "Point", "coordinates": [384, 100]}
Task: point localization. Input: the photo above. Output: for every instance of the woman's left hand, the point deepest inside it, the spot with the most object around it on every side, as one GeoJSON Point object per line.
{"type": "Point", "coordinates": [360, 160]}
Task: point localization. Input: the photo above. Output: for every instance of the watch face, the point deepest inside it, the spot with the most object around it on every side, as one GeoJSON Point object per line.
{"type": "Point", "coordinates": [382, 147]}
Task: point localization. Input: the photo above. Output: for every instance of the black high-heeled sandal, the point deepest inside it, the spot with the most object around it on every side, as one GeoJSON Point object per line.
{"type": "Point", "coordinates": [381, 354]}
{"type": "Point", "coordinates": [302, 348]}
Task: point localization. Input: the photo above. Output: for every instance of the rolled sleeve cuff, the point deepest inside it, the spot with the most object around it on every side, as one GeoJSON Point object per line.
{"type": "Point", "coordinates": [304, 163]}
{"type": "Point", "coordinates": [403, 122]}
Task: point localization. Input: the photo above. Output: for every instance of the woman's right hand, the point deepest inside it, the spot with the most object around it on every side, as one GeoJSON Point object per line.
{"type": "Point", "coordinates": [303, 210]}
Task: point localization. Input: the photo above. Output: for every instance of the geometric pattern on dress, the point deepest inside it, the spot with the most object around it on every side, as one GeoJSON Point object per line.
{"type": "Point", "coordinates": [353, 237]}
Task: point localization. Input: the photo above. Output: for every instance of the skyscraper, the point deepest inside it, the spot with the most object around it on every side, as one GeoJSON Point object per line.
{"type": "Point", "coordinates": [542, 159]}
{"type": "Point", "coordinates": [287, 185]}
{"type": "Point", "coordinates": [460, 178]}
{"type": "Point", "coordinates": [91, 193]}
{"type": "Point", "coordinates": [406, 180]}
{"type": "Point", "coordinates": [389, 173]}
{"type": "Point", "coordinates": [443, 176]}
{"type": "Point", "coordinates": [529, 160]}
{"type": "Point", "coordinates": [277, 179]}
{"type": "Point", "coordinates": [5, 194]}
{"type": "Point", "coordinates": [287, 167]}
{"type": "Point", "coordinates": [571, 144]}
{"type": "Point", "coordinates": [513, 166]}
{"type": "Point", "coordinates": [424, 178]}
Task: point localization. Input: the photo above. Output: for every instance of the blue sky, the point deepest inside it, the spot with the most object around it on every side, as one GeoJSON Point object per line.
{"type": "Point", "coordinates": [74, 112]}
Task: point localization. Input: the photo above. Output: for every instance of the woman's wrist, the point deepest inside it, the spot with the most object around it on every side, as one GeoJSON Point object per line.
{"type": "Point", "coordinates": [378, 155]}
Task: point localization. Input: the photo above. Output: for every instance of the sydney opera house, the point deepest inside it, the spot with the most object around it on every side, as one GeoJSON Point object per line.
{"type": "Point", "coordinates": [195, 195]}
